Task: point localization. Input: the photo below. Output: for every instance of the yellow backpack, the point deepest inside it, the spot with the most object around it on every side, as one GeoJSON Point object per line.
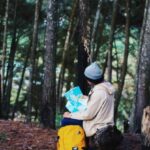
{"type": "Point", "coordinates": [71, 136]}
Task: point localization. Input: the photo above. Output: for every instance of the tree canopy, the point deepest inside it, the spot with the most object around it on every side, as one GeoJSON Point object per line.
{"type": "Point", "coordinates": [46, 45]}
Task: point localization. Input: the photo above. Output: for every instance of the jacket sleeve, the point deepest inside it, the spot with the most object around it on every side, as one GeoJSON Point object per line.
{"type": "Point", "coordinates": [94, 104]}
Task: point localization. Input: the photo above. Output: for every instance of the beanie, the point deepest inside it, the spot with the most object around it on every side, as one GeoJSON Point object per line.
{"type": "Point", "coordinates": [93, 72]}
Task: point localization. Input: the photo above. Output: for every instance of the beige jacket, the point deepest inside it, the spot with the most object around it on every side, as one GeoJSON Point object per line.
{"type": "Point", "coordinates": [100, 109]}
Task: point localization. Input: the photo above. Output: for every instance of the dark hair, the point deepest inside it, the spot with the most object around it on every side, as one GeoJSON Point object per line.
{"type": "Point", "coordinates": [97, 80]}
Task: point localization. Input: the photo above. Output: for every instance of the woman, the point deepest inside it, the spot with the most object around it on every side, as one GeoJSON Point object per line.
{"type": "Point", "coordinates": [100, 106]}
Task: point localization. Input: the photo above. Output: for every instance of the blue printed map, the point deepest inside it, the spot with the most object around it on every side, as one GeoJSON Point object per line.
{"type": "Point", "coordinates": [75, 102]}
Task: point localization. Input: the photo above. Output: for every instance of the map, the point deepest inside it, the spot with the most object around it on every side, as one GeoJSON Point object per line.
{"type": "Point", "coordinates": [75, 102]}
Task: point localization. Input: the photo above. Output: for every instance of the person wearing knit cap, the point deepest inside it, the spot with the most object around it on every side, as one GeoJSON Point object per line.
{"type": "Point", "coordinates": [93, 73]}
{"type": "Point", "coordinates": [100, 105]}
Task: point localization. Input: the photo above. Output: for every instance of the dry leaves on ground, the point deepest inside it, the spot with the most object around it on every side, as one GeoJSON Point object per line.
{"type": "Point", "coordinates": [21, 136]}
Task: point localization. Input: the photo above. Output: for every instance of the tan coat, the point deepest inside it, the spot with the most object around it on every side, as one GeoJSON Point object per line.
{"type": "Point", "coordinates": [100, 109]}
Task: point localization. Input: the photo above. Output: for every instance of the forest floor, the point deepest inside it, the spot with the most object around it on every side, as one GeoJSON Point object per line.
{"type": "Point", "coordinates": [15, 135]}
{"type": "Point", "coordinates": [22, 136]}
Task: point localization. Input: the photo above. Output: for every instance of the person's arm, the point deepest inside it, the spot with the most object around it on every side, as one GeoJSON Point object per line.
{"type": "Point", "coordinates": [84, 97]}
{"type": "Point", "coordinates": [67, 114]}
{"type": "Point", "coordinates": [93, 107]}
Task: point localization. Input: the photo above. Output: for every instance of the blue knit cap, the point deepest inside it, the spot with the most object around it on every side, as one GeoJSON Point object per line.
{"type": "Point", "coordinates": [93, 71]}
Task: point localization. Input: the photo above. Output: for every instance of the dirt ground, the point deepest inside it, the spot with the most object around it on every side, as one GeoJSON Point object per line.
{"type": "Point", "coordinates": [21, 136]}
{"type": "Point", "coordinates": [15, 135]}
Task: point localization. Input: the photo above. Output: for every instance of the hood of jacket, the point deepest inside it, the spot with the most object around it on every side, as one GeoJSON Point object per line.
{"type": "Point", "coordinates": [106, 86]}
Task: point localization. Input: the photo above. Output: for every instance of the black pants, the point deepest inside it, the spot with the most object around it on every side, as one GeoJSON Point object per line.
{"type": "Point", "coordinates": [90, 143]}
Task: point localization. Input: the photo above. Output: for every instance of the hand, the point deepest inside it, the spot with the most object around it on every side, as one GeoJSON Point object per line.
{"type": "Point", "coordinates": [84, 97]}
{"type": "Point", "coordinates": [67, 115]}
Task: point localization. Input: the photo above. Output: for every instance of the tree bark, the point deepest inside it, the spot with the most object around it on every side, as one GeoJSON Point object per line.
{"type": "Point", "coordinates": [4, 48]}
{"type": "Point", "coordinates": [61, 77]}
{"type": "Point", "coordinates": [9, 76]}
{"type": "Point", "coordinates": [111, 37]}
{"type": "Point", "coordinates": [0, 96]}
{"type": "Point", "coordinates": [143, 71]}
{"type": "Point", "coordinates": [66, 48]}
{"type": "Point", "coordinates": [48, 106]}
{"type": "Point", "coordinates": [15, 107]}
{"type": "Point", "coordinates": [125, 59]}
{"type": "Point", "coordinates": [99, 39]}
{"type": "Point", "coordinates": [117, 68]}
{"type": "Point", "coordinates": [83, 49]}
{"type": "Point", "coordinates": [146, 127]}
{"type": "Point", "coordinates": [95, 26]}
{"type": "Point", "coordinates": [32, 59]}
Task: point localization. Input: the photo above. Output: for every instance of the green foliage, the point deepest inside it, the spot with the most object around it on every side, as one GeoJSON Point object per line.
{"type": "Point", "coordinates": [59, 117]}
{"type": "Point", "coordinates": [25, 19]}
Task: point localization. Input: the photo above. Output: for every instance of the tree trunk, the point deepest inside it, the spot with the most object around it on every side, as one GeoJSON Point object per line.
{"type": "Point", "coordinates": [125, 59]}
{"type": "Point", "coordinates": [99, 39]}
{"type": "Point", "coordinates": [4, 49]}
{"type": "Point", "coordinates": [32, 59]}
{"type": "Point", "coordinates": [0, 96]}
{"type": "Point", "coordinates": [63, 69]}
{"type": "Point", "coordinates": [146, 127]}
{"type": "Point", "coordinates": [105, 64]}
{"type": "Point", "coordinates": [66, 48]}
{"type": "Point", "coordinates": [83, 49]}
{"type": "Point", "coordinates": [117, 65]}
{"type": "Point", "coordinates": [95, 26]}
{"type": "Point", "coordinates": [111, 37]}
{"type": "Point", "coordinates": [143, 71]}
{"type": "Point", "coordinates": [48, 106]}
{"type": "Point", "coordinates": [9, 77]}
{"type": "Point", "coordinates": [20, 84]}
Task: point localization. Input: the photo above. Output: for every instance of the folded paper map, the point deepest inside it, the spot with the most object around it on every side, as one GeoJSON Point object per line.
{"type": "Point", "coordinates": [75, 100]}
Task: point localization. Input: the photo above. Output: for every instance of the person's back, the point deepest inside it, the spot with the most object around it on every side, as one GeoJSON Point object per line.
{"type": "Point", "coordinates": [100, 106]}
